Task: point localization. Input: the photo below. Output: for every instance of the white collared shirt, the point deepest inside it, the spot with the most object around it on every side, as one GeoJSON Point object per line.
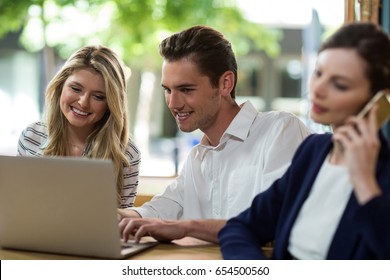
{"type": "Point", "coordinates": [220, 182]}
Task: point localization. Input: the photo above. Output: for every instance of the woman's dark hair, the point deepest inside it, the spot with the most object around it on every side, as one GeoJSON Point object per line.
{"type": "Point", "coordinates": [372, 44]}
{"type": "Point", "coordinates": [206, 47]}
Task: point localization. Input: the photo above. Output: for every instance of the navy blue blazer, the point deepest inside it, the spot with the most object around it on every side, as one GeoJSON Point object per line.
{"type": "Point", "coordinates": [363, 231]}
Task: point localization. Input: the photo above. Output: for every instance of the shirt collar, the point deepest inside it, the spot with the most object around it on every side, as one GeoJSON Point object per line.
{"type": "Point", "coordinates": [239, 128]}
{"type": "Point", "coordinates": [241, 124]}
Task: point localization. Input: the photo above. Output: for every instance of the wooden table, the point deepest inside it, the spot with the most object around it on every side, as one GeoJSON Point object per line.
{"type": "Point", "coordinates": [184, 249]}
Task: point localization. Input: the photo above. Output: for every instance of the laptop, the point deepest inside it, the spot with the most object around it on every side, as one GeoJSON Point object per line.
{"type": "Point", "coordinates": [61, 205]}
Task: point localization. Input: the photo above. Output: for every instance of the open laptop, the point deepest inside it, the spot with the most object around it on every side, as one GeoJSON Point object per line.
{"type": "Point", "coordinates": [61, 205]}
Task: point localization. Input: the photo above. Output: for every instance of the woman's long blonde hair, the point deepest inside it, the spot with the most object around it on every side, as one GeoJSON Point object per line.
{"type": "Point", "coordinates": [110, 137]}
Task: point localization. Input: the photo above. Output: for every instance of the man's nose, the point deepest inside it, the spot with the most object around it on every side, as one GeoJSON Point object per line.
{"type": "Point", "coordinates": [174, 100]}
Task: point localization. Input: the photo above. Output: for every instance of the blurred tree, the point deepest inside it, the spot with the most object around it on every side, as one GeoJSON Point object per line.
{"type": "Point", "coordinates": [144, 23]}
{"type": "Point", "coordinates": [133, 28]}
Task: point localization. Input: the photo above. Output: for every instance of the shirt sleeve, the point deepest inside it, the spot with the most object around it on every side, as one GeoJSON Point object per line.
{"type": "Point", "coordinates": [282, 142]}
{"type": "Point", "coordinates": [372, 221]}
{"type": "Point", "coordinates": [168, 205]}
{"type": "Point", "coordinates": [31, 140]}
{"type": "Point", "coordinates": [21, 145]}
{"type": "Point", "coordinates": [130, 176]}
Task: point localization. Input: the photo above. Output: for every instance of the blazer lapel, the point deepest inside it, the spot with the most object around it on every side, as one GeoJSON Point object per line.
{"type": "Point", "coordinates": [303, 190]}
{"type": "Point", "coordinates": [347, 237]}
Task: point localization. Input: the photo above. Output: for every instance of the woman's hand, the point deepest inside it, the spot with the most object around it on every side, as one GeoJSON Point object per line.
{"type": "Point", "coordinates": [359, 138]}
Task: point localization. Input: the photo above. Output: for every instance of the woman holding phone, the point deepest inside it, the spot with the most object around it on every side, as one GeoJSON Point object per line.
{"type": "Point", "coordinates": [334, 200]}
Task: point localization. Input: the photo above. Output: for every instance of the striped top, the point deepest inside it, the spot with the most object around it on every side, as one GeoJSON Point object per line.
{"type": "Point", "coordinates": [34, 138]}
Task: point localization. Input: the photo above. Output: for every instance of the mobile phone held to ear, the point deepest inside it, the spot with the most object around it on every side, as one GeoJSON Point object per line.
{"type": "Point", "coordinates": [383, 112]}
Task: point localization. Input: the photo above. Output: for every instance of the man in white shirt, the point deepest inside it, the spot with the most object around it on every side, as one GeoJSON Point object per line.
{"type": "Point", "coordinates": [240, 155]}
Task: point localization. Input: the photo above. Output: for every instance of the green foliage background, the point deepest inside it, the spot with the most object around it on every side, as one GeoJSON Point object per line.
{"type": "Point", "coordinates": [133, 28]}
{"type": "Point", "coordinates": [136, 26]}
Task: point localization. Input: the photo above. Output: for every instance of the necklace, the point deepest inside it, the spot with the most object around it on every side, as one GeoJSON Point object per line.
{"type": "Point", "coordinates": [76, 150]}
{"type": "Point", "coordinates": [77, 146]}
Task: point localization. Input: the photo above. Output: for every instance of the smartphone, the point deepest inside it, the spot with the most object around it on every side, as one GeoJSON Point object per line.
{"type": "Point", "coordinates": [383, 111]}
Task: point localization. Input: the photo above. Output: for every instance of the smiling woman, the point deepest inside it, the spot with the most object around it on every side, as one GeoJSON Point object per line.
{"type": "Point", "coordinates": [83, 103]}
{"type": "Point", "coordinates": [86, 116]}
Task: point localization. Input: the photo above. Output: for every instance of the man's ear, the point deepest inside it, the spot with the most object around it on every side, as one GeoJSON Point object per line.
{"type": "Point", "coordinates": [226, 83]}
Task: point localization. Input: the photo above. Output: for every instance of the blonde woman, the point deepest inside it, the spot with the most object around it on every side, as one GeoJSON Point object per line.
{"type": "Point", "coordinates": [86, 116]}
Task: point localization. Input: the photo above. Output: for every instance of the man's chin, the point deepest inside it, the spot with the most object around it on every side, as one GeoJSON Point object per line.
{"type": "Point", "coordinates": [186, 129]}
